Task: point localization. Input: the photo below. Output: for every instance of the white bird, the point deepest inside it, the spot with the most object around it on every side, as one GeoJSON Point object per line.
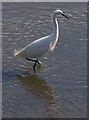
{"type": "Point", "coordinates": [40, 47]}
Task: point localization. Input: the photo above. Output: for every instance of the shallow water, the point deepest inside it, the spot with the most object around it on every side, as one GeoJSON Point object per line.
{"type": "Point", "coordinates": [59, 88]}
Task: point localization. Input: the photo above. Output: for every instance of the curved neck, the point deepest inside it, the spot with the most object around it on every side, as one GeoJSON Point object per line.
{"type": "Point", "coordinates": [55, 26]}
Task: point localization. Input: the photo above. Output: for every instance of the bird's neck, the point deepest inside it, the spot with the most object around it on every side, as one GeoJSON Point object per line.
{"type": "Point", "coordinates": [55, 27]}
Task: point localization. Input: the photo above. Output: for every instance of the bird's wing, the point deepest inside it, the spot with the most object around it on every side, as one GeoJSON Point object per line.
{"type": "Point", "coordinates": [35, 49]}
{"type": "Point", "coordinates": [39, 47]}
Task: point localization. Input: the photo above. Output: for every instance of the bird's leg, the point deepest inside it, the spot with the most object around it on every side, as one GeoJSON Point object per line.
{"type": "Point", "coordinates": [34, 66]}
{"type": "Point", "coordinates": [30, 59]}
{"type": "Point", "coordinates": [36, 61]}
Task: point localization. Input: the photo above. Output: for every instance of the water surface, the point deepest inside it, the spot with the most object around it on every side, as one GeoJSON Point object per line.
{"type": "Point", "coordinates": [59, 88]}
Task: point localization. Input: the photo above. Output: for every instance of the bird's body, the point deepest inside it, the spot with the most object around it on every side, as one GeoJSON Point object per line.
{"type": "Point", "coordinates": [38, 48]}
{"type": "Point", "coordinates": [44, 45]}
{"type": "Point", "coordinates": [41, 46]}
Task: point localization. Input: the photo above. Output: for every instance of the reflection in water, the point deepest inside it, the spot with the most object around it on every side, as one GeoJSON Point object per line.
{"type": "Point", "coordinates": [21, 24]}
{"type": "Point", "coordinates": [36, 85]}
{"type": "Point", "coordinates": [39, 87]}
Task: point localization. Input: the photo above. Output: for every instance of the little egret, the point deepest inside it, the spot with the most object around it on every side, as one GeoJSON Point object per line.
{"type": "Point", "coordinates": [40, 47]}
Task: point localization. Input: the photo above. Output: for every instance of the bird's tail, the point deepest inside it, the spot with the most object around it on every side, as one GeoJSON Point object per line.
{"type": "Point", "coordinates": [16, 53]}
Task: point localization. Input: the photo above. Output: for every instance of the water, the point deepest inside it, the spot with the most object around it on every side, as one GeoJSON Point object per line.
{"type": "Point", "coordinates": [59, 88]}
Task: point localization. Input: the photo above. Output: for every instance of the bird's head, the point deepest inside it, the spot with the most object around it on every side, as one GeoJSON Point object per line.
{"type": "Point", "coordinates": [57, 12]}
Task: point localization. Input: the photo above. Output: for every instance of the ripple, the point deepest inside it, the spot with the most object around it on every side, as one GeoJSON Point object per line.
{"type": "Point", "coordinates": [59, 88]}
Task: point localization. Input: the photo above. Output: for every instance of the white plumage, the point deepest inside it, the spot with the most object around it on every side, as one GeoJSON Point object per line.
{"type": "Point", "coordinates": [40, 47]}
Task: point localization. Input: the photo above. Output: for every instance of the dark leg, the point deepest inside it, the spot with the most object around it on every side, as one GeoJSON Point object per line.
{"type": "Point", "coordinates": [36, 61]}
{"type": "Point", "coordinates": [30, 60]}
{"type": "Point", "coordinates": [34, 67]}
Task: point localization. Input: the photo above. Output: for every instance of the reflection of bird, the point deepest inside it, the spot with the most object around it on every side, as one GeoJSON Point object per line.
{"type": "Point", "coordinates": [41, 46]}
{"type": "Point", "coordinates": [37, 86]}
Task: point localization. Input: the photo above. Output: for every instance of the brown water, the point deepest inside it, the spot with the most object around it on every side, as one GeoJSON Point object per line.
{"type": "Point", "coordinates": [59, 88]}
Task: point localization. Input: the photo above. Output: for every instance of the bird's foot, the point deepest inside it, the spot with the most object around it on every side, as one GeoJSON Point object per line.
{"type": "Point", "coordinates": [37, 65]}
